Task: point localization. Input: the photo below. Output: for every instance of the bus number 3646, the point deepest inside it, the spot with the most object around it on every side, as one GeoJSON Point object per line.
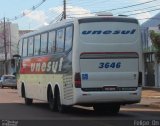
{"type": "Point", "coordinates": [110, 65]}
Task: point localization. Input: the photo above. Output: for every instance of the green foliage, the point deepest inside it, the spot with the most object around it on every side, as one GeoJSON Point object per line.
{"type": "Point", "coordinates": [155, 37]}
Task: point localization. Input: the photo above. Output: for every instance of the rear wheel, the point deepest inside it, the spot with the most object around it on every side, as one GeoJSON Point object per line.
{"type": "Point", "coordinates": [27, 101]}
{"type": "Point", "coordinates": [107, 108]}
{"type": "Point", "coordinates": [61, 108]}
{"type": "Point", "coordinates": [1, 86]}
{"type": "Point", "coordinates": [51, 100]}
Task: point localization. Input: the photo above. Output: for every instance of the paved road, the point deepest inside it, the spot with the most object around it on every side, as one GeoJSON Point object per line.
{"type": "Point", "coordinates": [13, 108]}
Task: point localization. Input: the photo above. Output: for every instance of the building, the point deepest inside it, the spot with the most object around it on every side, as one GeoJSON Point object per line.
{"type": "Point", "coordinates": [151, 64]}
{"type": "Point", "coordinates": [9, 36]}
{"type": "Point", "coordinates": [8, 43]}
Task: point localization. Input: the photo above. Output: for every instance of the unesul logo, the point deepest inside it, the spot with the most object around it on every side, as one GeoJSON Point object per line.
{"type": "Point", "coordinates": [51, 66]}
{"type": "Point", "coordinates": [106, 32]}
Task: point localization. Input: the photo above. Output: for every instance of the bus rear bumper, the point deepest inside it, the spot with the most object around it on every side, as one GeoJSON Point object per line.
{"type": "Point", "coordinates": [121, 97]}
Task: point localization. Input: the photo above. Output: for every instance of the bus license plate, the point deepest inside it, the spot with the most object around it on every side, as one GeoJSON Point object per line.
{"type": "Point", "coordinates": [110, 88]}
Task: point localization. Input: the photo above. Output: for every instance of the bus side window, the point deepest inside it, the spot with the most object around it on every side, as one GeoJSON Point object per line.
{"type": "Point", "coordinates": [25, 41]}
{"type": "Point", "coordinates": [30, 46]}
{"type": "Point", "coordinates": [37, 45]}
{"type": "Point", "coordinates": [68, 37]}
{"type": "Point", "coordinates": [44, 43]}
{"type": "Point", "coordinates": [51, 42]}
{"type": "Point", "coordinates": [60, 40]}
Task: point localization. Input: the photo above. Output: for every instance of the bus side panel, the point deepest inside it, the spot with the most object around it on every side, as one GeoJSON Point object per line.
{"type": "Point", "coordinates": [38, 72]}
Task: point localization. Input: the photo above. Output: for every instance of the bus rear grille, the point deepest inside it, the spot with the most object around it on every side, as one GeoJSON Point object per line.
{"type": "Point", "coordinates": [68, 87]}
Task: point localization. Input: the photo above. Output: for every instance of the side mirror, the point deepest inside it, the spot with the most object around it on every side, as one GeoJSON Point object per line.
{"type": "Point", "coordinates": [16, 56]}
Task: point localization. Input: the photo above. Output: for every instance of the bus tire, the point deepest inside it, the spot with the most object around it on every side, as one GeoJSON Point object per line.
{"type": "Point", "coordinates": [22, 91]}
{"type": "Point", "coordinates": [61, 108]}
{"type": "Point", "coordinates": [112, 109]}
{"type": "Point", "coordinates": [51, 100]}
{"type": "Point", "coordinates": [98, 108]}
{"type": "Point", "coordinates": [1, 86]}
{"type": "Point", "coordinates": [27, 101]}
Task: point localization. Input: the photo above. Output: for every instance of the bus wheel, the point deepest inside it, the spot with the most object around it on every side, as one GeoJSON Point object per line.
{"type": "Point", "coordinates": [61, 108]}
{"type": "Point", "coordinates": [98, 108]}
{"type": "Point", "coordinates": [113, 109]}
{"type": "Point", "coordinates": [107, 108]}
{"type": "Point", "coordinates": [27, 101]}
{"type": "Point", "coordinates": [51, 101]}
{"type": "Point", "coordinates": [1, 86]}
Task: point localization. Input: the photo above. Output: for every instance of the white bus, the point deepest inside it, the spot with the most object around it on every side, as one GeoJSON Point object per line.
{"type": "Point", "coordinates": [91, 61]}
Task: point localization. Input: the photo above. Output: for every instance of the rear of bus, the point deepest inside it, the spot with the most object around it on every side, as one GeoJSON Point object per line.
{"type": "Point", "coordinates": [107, 61]}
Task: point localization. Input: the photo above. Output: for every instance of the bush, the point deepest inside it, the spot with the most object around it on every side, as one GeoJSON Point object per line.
{"type": "Point", "coordinates": [155, 37]}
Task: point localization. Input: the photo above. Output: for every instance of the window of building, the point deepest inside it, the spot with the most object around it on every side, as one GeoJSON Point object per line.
{"type": "Point", "coordinates": [68, 37]}
{"type": "Point", "coordinates": [37, 45]}
{"type": "Point", "coordinates": [51, 42]}
{"type": "Point", "coordinates": [25, 47]}
{"type": "Point", "coordinates": [44, 43]}
{"type": "Point", "coordinates": [30, 46]}
{"type": "Point", "coordinates": [60, 40]}
{"type": "Point", "coordinates": [149, 57]}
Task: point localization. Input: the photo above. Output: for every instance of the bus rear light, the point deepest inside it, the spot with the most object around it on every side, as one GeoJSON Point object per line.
{"type": "Point", "coordinates": [140, 79]}
{"type": "Point", "coordinates": [77, 79]}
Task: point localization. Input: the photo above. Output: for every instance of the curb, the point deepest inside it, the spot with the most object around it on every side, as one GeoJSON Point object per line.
{"type": "Point", "coordinates": [152, 105]}
{"type": "Point", "coordinates": [155, 105]}
{"type": "Point", "coordinates": [155, 97]}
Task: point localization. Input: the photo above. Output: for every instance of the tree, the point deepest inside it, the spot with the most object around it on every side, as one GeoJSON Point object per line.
{"type": "Point", "coordinates": [155, 38]}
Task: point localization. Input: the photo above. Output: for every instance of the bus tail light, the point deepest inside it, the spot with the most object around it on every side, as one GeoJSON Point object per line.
{"type": "Point", "coordinates": [77, 79]}
{"type": "Point", "coordinates": [140, 79]}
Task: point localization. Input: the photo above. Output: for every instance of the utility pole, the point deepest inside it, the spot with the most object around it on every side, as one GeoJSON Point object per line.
{"type": "Point", "coordinates": [5, 50]}
{"type": "Point", "coordinates": [64, 9]}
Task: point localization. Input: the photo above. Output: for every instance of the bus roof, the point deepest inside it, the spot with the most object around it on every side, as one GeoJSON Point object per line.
{"type": "Point", "coordinates": [49, 27]}
{"type": "Point", "coordinates": [83, 20]}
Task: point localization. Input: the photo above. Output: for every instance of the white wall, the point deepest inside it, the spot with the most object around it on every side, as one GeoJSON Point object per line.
{"type": "Point", "coordinates": [12, 36]}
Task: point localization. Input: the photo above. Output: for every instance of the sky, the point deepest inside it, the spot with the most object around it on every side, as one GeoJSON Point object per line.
{"type": "Point", "coordinates": [50, 10]}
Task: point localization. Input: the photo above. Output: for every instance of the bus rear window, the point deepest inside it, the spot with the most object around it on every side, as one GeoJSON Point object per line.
{"type": "Point", "coordinates": [108, 32]}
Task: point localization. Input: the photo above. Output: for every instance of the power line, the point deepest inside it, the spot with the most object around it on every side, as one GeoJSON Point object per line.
{"type": "Point", "coordinates": [144, 12]}
{"type": "Point", "coordinates": [81, 2]}
{"type": "Point", "coordinates": [130, 10]}
{"type": "Point", "coordinates": [87, 3]}
{"type": "Point", "coordinates": [57, 18]}
{"type": "Point", "coordinates": [138, 9]}
{"type": "Point", "coordinates": [26, 13]}
{"type": "Point", "coordinates": [133, 5]}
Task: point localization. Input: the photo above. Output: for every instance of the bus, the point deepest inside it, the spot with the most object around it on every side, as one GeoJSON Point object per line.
{"type": "Point", "coordinates": [90, 61]}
